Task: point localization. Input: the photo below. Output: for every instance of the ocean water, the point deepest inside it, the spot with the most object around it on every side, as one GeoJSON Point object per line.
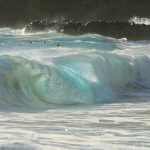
{"type": "Point", "coordinates": [63, 92]}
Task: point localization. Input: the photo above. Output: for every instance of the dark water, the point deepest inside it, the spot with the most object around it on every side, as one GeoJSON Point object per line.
{"type": "Point", "coordinates": [19, 12]}
{"type": "Point", "coordinates": [134, 29]}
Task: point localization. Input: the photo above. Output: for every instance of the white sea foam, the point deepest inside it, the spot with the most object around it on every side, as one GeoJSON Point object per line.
{"type": "Point", "coordinates": [138, 20]}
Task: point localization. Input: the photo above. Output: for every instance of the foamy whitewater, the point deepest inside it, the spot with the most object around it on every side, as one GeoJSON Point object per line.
{"type": "Point", "coordinates": [61, 92]}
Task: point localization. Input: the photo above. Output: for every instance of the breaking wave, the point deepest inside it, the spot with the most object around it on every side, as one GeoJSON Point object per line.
{"type": "Point", "coordinates": [53, 69]}
{"type": "Point", "coordinates": [137, 20]}
{"type": "Point", "coordinates": [75, 79]}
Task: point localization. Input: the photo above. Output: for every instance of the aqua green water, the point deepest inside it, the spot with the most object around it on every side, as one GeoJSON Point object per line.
{"type": "Point", "coordinates": [73, 92]}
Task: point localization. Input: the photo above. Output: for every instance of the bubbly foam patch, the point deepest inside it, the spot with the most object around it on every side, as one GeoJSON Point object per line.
{"type": "Point", "coordinates": [141, 21]}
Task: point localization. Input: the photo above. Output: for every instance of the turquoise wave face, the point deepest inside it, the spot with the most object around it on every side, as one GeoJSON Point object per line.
{"type": "Point", "coordinates": [25, 82]}
{"type": "Point", "coordinates": [51, 69]}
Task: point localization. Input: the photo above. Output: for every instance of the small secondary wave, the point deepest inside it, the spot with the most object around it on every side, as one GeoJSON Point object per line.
{"type": "Point", "coordinates": [134, 29]}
